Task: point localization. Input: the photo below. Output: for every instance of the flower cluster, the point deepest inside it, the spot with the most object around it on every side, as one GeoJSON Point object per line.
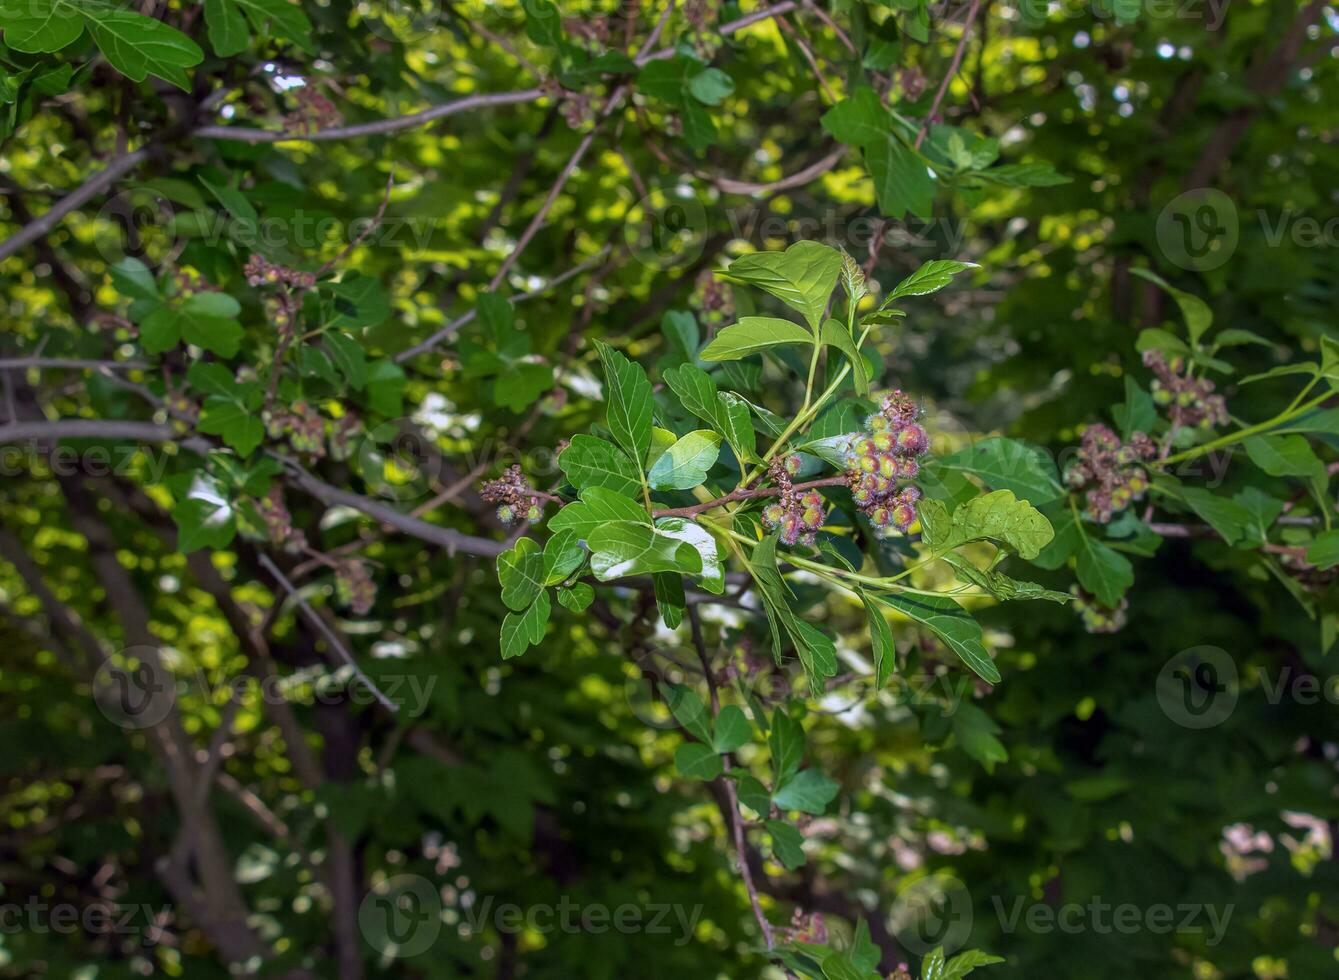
{"type": "Point", "coordinates": [303, 425]}
{"type": "Point", "coordinates": [1109, 472]}
{"type": "Point", "coordinates": [515, 496]}
{"type": "Point", "coordinates": [887, 454]}
{"type": "Point", "coordinates": [314, 112]}
{"type": "Point", "coordinates": [797, 515]}
{"type": "Point", "coordinates": [354, 588]}
{"type": "Point", "coordinates": [260, 271]}
{"type": "Point", "coordinates": [344, 433]}
{"type": "Point", "coordinates": [1191, 401]}
{"type": "Point", "coordinates": [279, 522]}
{"type": "Point", "coordinates": [188, 282]}
{"type": "Point", "coordinates": [1098, 618]}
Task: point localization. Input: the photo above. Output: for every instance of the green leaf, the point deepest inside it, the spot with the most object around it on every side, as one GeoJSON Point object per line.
{"type": "Point", "coordinates": [929, 278]}
{"type": "Point", "coordinates": [359, 302]}
{"type": "Point", "coordinates": [725, 412]}
{"type": "Point", "coordinates": [1105, 573]}
{"type": "Point", "coordinates": [786, 743]}
{"type": "Point", "coordinates": [808, 791]}
{"type": "Point", "coordinates": [576, 597]}
{"type": "Point", "coordinates": [235, 421]}
{"type": "Point", "coordinates": [881, 641]}
{"type": "Point", "coordinates": [1137, 413]}
{"type": "Point", "coordinates": [802, 277]}
{"type": "Point", "coordinates": [40, 26]}
{"type": "Point", "coordinates": [902, 182]}
{"type": "Point", "coordinates": [1197, 314]}
{"type": "Point", "coordinates": [1023, 175]}
{"type": "Point", "coordinates": [623, 549]}
{"type": "Point", "coordinates": [287, 20]}
{"type": "Point", "coordinates": [836, 335]}
{"type": "Point", "coordinates": [695, 536]}
{"type": "Point", "coordinates": [732, 729]}
{"type": "Point", "coordinates": [563, 555]}
{"type": "Point", "coordinates": [203, 521]}
{"type": "Point", "coordinates": [132, 279]}
{"type": "Point", "coordinates": [1323, 552]}
{"type": "Point", "coordinates": [753, 334]}
{"type": "Point", "coordinates": [965, 963]}
{"type": "Point", "coordinates": [628, 396]}
{"type": "Point", "coordinates": [686, 463]}
{"type": "Point", "coordinates": [522, 630]}
{"type": "Point", "coordinates": [592, 462]}
{"type": "Point", "coordinates": [1001, 586]}
{"type": "Point", "coordinates": [753, 794]}
{"type": "Point", "coordinates": [787, 843]}
{"type": "Point", "coordinates": [670, 599]}
{"type": "Point", "coordinates": [139, 46]}
{"type": "Point", "coordinates": [997, 516]}
{"type": "Point", "coordinates": [689, 711]}
{"type": "Point", "coordinates": [711, 86]}
{"type": "Point", "coordinates": [952, 624]}
{"type": "Point", "coordinates": [348, 356]}
{"type": "Point", "coordinates": [211, 378]}
{"type": "Point", "coordinates": [1010, 464]}
{"type": "Point", "coordinates": [817, 651]}
{"type": "Point", "coordinates": [697, 761]}
{"type": "Point", "coordinates": [1229, 518]}
{"type": "Point", "coordinates": [384, 389]}
{"type": "Point", "coordinates": [204, 320]}
{"type": "Point", "coordinates": [598, 507]}
{"type": "Point", "coordinates": [519, 387]}
{"type": "Point", "coordinates": [859, 120]}
{"type": "Point", "coordinates": [1283, 455]}
{"type": "Point", "coordinates": [976, 731]}
{"type": "Point", "coordinates": [227, 28]}
{"type": "Point", "coordinates": [521, 574]}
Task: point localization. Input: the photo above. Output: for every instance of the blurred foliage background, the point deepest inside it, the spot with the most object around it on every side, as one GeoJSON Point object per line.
{"type": "Point", "coordinates": [600, 199]}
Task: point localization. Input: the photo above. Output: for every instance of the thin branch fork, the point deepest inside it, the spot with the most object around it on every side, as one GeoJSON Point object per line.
{"type": "Point", "coordinates": [747, 494]}
{"type": "Point", "coordinates": [337, 645]}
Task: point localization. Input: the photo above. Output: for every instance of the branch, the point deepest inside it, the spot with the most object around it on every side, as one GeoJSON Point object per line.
{"type": "Point", "coordinates": [733, 495]}
{"type": "Point", "coordinates": [449, 331]}
{"type": "Point", "coordinates": [89, 189]}
{"type": "Point", "coordinates": [378, 128]}
{"type": "Point", "coordinates": [331, 637]}
{"type": "Point", "coordinates": [537, 222]}
{"type": "Point", "coordinates": [952, 72]}
{"type": "Point", "coordinates": [452, 540]}
{"type": "Point", "coordinates": [74, 363]}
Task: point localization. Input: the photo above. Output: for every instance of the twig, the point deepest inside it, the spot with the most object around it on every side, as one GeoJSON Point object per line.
{"type": "Point", "coordinates": [537, 222]}
{"type": "Point", "coordinates": [331, 637]}
{"type": "Point", "coordinates": [362, 236]}
{"type": "Point", "coordinates": [745, 494]}
{"type": "Point", "coordinates": [73, 363]}
{"type": "Point", "coordinates": [89, 189]}
{"type": "Point", "coordinates": [468, 316]}
{"type": "Point", "coordinates": [379, 127]}
{"type": "Point", "coordinates": [952, 72]}
{"type": "Point", "coordinates": [734, 817]}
